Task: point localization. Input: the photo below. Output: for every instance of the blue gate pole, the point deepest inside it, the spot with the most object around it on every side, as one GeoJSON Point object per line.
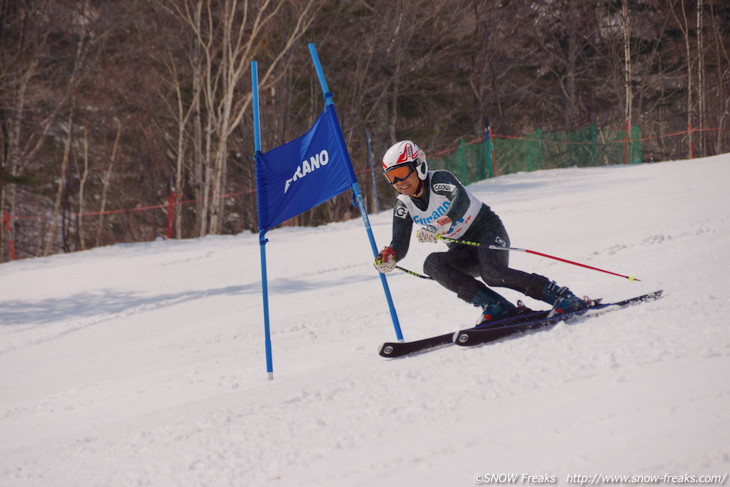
{"type": "Point", "coordinates": [329, 105]}
{"type": "Point", "coordinates": [262, 233]}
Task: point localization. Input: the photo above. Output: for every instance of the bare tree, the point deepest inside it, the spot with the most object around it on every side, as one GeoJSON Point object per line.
{"type": "Point", "coordinates": [82, 173]}
{"type": "Point", "coordinates": [627, 68]}
{"type": "Point", "coordinates": [684, 26]}
{"type": "Point", "coordinates": [226, 36]}
{"type": "Point", "coordinates": [20, 49]}
{"type": "Point", "coordinates": [106, 180]}
{"type": "Point", "coordinates": [701, 118]}
{"type": "Point", "coordinates": [50, 239]}
{"type": "Point", "coordinates": [182, 117]}
{"type": "Point", "coordinates": [721, 76]}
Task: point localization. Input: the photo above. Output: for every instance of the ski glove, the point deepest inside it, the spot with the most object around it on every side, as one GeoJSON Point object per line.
{"type": "Point", "coordinates": [385, 261]}
{"type": "Point", "coordinates": [430, 233]}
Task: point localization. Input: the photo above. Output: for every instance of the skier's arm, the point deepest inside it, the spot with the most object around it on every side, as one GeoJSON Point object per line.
{"type": "Point", "coordinates": [446, 184]}
{"type": "Point", "coordinates": [402, 227]}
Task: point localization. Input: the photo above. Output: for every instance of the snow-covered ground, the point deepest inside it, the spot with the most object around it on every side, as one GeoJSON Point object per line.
{"type": "Point", "coordinates": [144, 364]}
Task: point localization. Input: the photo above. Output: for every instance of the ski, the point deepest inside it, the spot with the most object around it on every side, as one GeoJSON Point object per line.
{"type": "Point", "coordinates": [473, 336]}
{"type": "Point", "coordinates": [399, 349]}
{"type": "Point", "coordinates": [494, 330]}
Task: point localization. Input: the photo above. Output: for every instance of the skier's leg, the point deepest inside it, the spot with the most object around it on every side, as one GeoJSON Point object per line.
{"type": "Point", "coordinates": [494, 269]}
{"type": "Point", "coordinates": [455, 270]}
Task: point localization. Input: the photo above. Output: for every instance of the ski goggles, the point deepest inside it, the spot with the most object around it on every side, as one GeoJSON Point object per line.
{"type": "Point", "coordinates": [400, 172]}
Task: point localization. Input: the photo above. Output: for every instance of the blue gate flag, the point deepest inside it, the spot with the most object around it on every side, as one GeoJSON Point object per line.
{"type": "Point", "coordinates": [302, 174]}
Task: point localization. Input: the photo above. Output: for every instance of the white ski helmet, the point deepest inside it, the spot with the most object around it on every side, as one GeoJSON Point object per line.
{"type": "Point", "coordinates": [405, 152]}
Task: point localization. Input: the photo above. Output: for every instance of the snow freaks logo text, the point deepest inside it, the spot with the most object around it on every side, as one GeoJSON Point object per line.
{"type": "Point", "coordinates": [514, 478]}
{"type": "Point", "coordinates": [307, 166]}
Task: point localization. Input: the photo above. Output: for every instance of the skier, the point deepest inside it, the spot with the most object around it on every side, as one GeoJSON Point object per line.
{"type": "Point", "coordinates": [441, 205]}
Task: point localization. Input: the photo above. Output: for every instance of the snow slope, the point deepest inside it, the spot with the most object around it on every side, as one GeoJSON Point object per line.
{"type": "Point", "coordinates": [144, 364]}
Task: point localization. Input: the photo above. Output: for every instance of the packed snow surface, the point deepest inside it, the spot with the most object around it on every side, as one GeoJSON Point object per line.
{"type": "Point", "coordinates": [143, 364]}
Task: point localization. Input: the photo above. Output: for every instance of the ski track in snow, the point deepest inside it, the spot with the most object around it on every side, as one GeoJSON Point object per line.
{"type": "Point", "coordinates": [143, 364]}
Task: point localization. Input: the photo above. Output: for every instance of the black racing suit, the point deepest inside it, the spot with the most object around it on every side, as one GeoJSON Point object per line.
{"type": "Point", "coordinates": [457, 268]}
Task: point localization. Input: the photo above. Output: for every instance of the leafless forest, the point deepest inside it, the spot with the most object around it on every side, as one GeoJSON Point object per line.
{"type": "Point", "coordinates": [107, 107]}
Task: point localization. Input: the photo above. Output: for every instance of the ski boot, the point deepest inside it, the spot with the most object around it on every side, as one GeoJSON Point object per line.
{"type": "Point", "coordinates": [494, 306]}
{"type": "Point", "coordinates": [562, 299]}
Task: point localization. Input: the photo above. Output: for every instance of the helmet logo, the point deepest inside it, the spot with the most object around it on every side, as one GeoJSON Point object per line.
{"type": "Point", "coordinates": [408, 154]}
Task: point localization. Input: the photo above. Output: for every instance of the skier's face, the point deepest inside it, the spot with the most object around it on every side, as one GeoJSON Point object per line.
{"type": "Point", "coordinates": [409, 185]}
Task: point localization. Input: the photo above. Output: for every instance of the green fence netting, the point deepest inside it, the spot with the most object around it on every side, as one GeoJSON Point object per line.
{"type": "Point", "coordinates": [482, 159]}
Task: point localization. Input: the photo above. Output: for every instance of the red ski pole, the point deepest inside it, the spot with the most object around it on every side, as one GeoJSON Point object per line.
{"type": "Point", "coordinates": [514, 249]}
{"type": "Point", "coordinates": [630, 278]}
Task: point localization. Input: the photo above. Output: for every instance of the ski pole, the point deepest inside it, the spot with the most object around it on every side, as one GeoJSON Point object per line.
{"type": "Point", "coordinates": [413, 273]}
{"type": "Point", "coordinates": [515, 249]}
